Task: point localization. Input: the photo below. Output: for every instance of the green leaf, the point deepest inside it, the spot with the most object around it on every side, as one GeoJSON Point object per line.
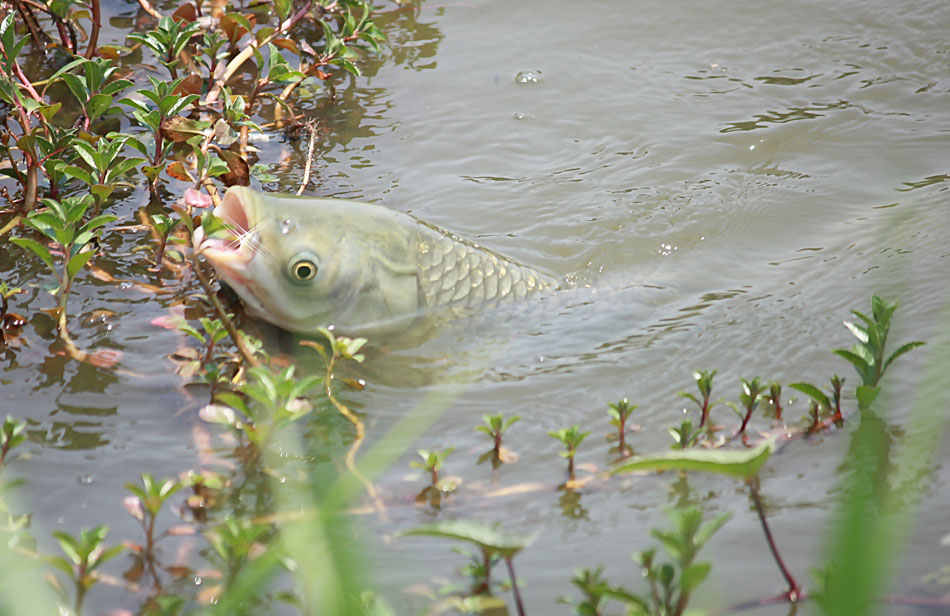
{"type": "Point", "coordinates": [98, 104]}
{"type": "Point", "coordinates": [703, 534]}
{"type": "Point", "coordinates": [61, 563]}
{"type": "Point", "coordinates": [109, 554]}
{"type": "Point", "coordinates": [488, 538]}
{"type": "Point", "coordinates": [68, 544]}
{"type": "Point", "coordinates": [75, 264]}
{"type": "Point", "coordinates": [910, 346]}
{"type": "Point", "coordinates": [77, 87]}
{"type": "Point", "coordinates": [865, 370]}
{"type": "Point", "coordinates": [859, 332]}
{"type": "Point", "coordinates": [693, 575]}
{"type": "Point", "coordinates": [79, 174]}
{"type": "Point", "coordinates": [812, 392]}
{"type": "Point", "coordinates": [39, 249]}
{"type": "Point", "coordinates": [743, 464]}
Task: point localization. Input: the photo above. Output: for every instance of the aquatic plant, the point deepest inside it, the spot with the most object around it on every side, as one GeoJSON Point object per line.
{"type": "Point", "coordinates": [684, 436]}
{"type": "Point", "coordinates": [619, 412]}
{"type": "Point", "coordinates": [774, 399]}
{"type": "Point", "coordinates": [63, 226]}
{"type": "Point", "coordinates": [868, 356]}
{"type": "Point", "coordinates": [750, 398]}
{"type": "Point", "coordinates": [84, 555]}
{"type": "Point", "coordinates": [11, 435]}
{"type": "Point", "coordinates": [432, 462]}
{"type": "Point", "coordinates": [570, 438]}
{"type": "Point", "coordinates": [671, 584]}
{"type": "Point", "coordinates": [495, 426]}
{"type": "Point", "coordinates": [704, 381]}
{"type": "Point", "coordinates": [268, 402]}
{"type": "Point", "coordinates": [493, 543]}
{"type": "Point", "coordinates": [145, 503]}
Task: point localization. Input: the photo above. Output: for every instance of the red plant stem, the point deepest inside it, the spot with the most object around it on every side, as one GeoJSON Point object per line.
{"type": "Point", "coordinates": [94, 35]}
{"type": "Point", "coordinates": [745, 421]}
{"type": "Point", "coordinates": [514, 586]}
{"type": "Point", "coordinates": [705, 413]}
{"type": "Point", "coordinates": [794, 592]}
{"type": "Point", "coordinates": [27, 84]}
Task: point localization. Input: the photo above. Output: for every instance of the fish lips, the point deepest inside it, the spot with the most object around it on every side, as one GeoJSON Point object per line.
{"type": "Point", "coordinates": [230, 257]}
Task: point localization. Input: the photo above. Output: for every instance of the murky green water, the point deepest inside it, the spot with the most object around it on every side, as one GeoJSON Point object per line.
{"type": "Point", "coordinates": [764, 168]}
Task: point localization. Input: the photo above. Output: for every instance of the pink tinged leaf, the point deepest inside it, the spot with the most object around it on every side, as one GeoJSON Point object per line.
{"type": "Point", "coordinates": [133, 504]}
{"type": "Point", "coordinates": [197, 199]}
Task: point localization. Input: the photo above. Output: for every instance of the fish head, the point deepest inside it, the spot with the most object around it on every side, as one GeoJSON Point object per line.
{"type": "Point", "coordinates": [303, 263]}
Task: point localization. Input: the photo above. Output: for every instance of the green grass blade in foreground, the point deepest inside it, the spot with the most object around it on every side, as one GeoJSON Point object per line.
{"type": "Point", "coordinates": [330, 564]}
{"type": "Point", "coordinates": [743, 464]}
{"type": "Point", "coordinates": [866, 540]}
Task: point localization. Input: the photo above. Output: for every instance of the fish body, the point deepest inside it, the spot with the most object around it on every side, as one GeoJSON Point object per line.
{"type": "Point", "coordinates": [303, 263]}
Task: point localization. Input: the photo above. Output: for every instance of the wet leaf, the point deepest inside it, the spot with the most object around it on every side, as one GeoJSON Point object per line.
{"type": "Point", "coordinates": [185, 13]}
{"type": "Point", "coordinates": [239, 173]}
{"type": "Point", "coordinates": [189, 85]}
{"type": "Point", "coordinates": [180, 129]}
{"type": "Point", "coordinates": [218, 413]}
{"type": "Point", "coordinates": [236, 25]}
{"type": "Point", "coordinates": [288, 44]}
{"type": "Point", "coordinates": [177, 170]}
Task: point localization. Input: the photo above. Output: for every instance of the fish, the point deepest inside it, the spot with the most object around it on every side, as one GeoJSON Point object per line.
{"type": "Point", "coordinates": [306, 263]}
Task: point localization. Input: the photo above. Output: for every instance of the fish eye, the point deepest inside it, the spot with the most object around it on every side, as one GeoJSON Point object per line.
{"type": "Point", "coordinates": [303, 270]}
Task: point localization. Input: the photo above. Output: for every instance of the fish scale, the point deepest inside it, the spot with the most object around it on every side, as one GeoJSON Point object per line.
{"type": "Point", "coordinates": [454, 271]}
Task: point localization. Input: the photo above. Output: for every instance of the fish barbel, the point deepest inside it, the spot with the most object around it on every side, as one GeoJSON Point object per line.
{"type": "Point", "coordinates": [303, 263]}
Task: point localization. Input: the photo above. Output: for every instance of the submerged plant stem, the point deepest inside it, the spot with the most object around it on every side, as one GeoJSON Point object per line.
{"type": "Point", "coordinates": [514, 586]}
{"type": "Point", "coordinates": [312, 129]}
{"type": "Point", "coordinates": [360, 435]}
{"type": "Point", "coordinates": [246, 354]}
{"type": "Point", "coordinates": [794, 592]}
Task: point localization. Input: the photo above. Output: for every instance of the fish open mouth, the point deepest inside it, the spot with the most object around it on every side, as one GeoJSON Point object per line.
{"type": "Point", "coordinates": [230, 256]}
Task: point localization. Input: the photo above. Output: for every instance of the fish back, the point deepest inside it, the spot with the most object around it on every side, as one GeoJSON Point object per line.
{"type": "Point", "coordinates": [457, 272]}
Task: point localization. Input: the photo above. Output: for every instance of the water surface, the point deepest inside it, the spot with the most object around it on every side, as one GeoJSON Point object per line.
{"type": "Point", "coordinates": [730, 179]}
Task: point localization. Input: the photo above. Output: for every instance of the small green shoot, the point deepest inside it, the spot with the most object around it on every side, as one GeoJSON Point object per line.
{"type": "Point", "coordinates": [62, 224]}
{"type": "Point", "coordinates": [751, 396]}
{"type": "Point", "coordinates": [684, 436]}
{"type": "Point", "coordinates": [495, 426]}
{"type": "Point", "coordinates": [619, 412]}
{"type": "Point", "coordinates": [868, 356]}
{"type": "Point", "coordinates": [774, 399]}
{"type": "Point", "coordinates": [11, 435]}
{"type": "Point", "coordinates": [145, 503]}
{"type": "Point", "coordinates": [84, 555]}
{"type": "Point", "coordinates": [432, 462]}
{"type": "Point", "coordinates": [704, 381]}
{"type": "Point", "coordinates": [570, 438]}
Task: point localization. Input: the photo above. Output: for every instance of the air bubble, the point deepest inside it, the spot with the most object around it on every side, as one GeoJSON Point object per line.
{"type": "Point", "coordinates": [522, 116]}
{"type": "Point", "coordinates": [287, 226]}
{"type": "Point", "coordinates": [528, 77]}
